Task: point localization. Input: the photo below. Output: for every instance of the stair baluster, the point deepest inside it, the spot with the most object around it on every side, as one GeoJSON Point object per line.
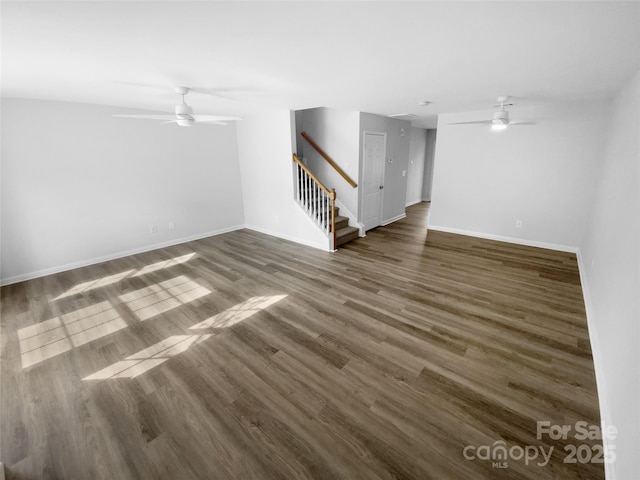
{"type": "Point", "coordinates": [316, 199]}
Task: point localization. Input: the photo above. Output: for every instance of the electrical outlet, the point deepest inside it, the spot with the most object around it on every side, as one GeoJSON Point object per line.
{"type": "Point", "coordinates": [153, 229]}
{"type": "Point", "coordinates": [172, 225]}
{"type": "Point", "coordinates": [518, 223]}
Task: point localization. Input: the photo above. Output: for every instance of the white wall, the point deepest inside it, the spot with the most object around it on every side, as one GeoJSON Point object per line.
{"type": "Point", "coordinates": [395, 184]}
{"type": "Point", "coordinates": [542, 174]}
{"type": "Point", "coordinates": [265, 147]}
{"type": "Point", "coordinates": [610, 268]}
{"type": "Point", "coordinates": [415, 172]}
{"type": "Point", "coordinates": [336, 132]}
{"type": "Point", "coordinates": [79, 186]}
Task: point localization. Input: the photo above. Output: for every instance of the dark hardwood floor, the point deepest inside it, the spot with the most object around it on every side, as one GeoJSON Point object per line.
{"type": "Point", "coordinates": [243, 356]}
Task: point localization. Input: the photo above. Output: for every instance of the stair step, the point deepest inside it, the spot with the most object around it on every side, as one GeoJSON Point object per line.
{"type": "Point", "coordinates": [341, 222]}
{"type": "Point", "coordinates": [345, 235]}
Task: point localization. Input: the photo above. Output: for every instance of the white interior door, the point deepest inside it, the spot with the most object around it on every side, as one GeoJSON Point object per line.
{"type": "Point", "coordinates": [373, 175]}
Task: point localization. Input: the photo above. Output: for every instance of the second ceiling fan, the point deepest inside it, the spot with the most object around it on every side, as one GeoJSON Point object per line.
{"type": "Point", "coordinates": [500, 119]}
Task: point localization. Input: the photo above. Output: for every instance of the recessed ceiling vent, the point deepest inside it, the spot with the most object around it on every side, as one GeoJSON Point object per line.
{"type": "Point", "coordinates": [404, 116]}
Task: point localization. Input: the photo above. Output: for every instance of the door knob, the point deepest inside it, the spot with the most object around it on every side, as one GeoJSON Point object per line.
{"type": "Point", "coordinates": [381, 187]}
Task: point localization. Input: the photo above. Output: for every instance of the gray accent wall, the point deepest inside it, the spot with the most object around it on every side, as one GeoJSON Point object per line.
{"type": "Point", "coordinates": [397, 161]}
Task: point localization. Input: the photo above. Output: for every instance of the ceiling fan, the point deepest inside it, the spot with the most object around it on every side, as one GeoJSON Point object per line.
{"type": "Point", "coordinates": [500, 118]}
{"type": "Point", "coordinates": [184, 115]}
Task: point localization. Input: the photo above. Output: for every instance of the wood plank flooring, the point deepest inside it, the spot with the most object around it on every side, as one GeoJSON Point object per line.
{"type": "Point", "coordinates": [243, 356]}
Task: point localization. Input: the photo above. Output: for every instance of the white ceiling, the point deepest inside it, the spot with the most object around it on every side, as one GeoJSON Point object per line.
{"type": "Point", "coordinates": [379, 57]}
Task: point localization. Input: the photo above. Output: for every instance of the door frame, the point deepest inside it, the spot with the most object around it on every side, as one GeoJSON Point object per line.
{"type": "Point", "coordinates": [383, 171]}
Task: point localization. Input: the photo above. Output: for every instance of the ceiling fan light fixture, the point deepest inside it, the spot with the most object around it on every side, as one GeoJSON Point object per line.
{"type": "Point", "coordinates": [500, 120]}
{"type": "Point", "coordinates": [185, 122]}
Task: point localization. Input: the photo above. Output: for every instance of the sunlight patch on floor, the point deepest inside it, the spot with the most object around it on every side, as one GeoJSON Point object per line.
{"type": "Point", "coordinates": [116, 277]}
{"type": "Point", "coordinates": [93, 284]}
{"type": "Point", "coordinates": [164, 264]}
{"type": "Point", "coordinates": [157, 354]}
{"type": "Point", "coordinates": [238, 313]}
{"type": "Point", "coordinates": [161, 297]}
{"type": "Point", "coordinates": [52, 337]}
{"type": "Point", "coordinates": [149, 358]}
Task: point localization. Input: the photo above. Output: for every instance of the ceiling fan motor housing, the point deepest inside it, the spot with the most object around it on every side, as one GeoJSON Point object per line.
{"type": "Point", "coordinates": [184, 109]}
{"type": "Point", "coordinates": [500, 117]}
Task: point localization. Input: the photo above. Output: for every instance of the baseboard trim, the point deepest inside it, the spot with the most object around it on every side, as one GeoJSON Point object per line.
{"type": "Point", "coordinates": [597, 355]}
{"type": "Point", "coordinates": [412, 202]}
{"type": "Point", "coordinates": [306, 243]}
{"type": "Point", "coordinates": [501, 238]}
{"type": "Point", "coordinates": [113, 256]}
{"type": "Point", "coordinates": [394, 219]}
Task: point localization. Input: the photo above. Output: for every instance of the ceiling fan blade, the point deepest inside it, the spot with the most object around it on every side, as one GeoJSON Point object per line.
{"type": "Point", "coordinates": [215, 93]}
{"type": "Point", "coordinates": [214, 118]}
{"type": "Point", "coordinates": [148, 117]}
{"type": "Point", "coordinates": [523, 122]}
{"type": "Point", "coordinates": [210, 122]}
{"type": "Point", "coordinates": [198, 122]}
{"type": "Point", "coordinates": [227, 93]}
{"type": "Point", "coordinates": [477, 122]}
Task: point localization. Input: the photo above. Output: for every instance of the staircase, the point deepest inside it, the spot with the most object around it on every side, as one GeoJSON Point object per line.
{"type": "Point", "coordinates": [344, 233]}
{"type": "Point", "coordinates": [319, 203]}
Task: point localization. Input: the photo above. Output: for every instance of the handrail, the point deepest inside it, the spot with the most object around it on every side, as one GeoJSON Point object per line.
{"type": "Point", "coordinates": [328, 159]}
{"type": "Point", "coordinates": [318, 201]}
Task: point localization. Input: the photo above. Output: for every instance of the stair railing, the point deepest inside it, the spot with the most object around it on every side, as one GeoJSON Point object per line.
{"type": "Point", "coordinates": [324, 155]}
{"type": "Point", "coordinates": [316, 199]}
